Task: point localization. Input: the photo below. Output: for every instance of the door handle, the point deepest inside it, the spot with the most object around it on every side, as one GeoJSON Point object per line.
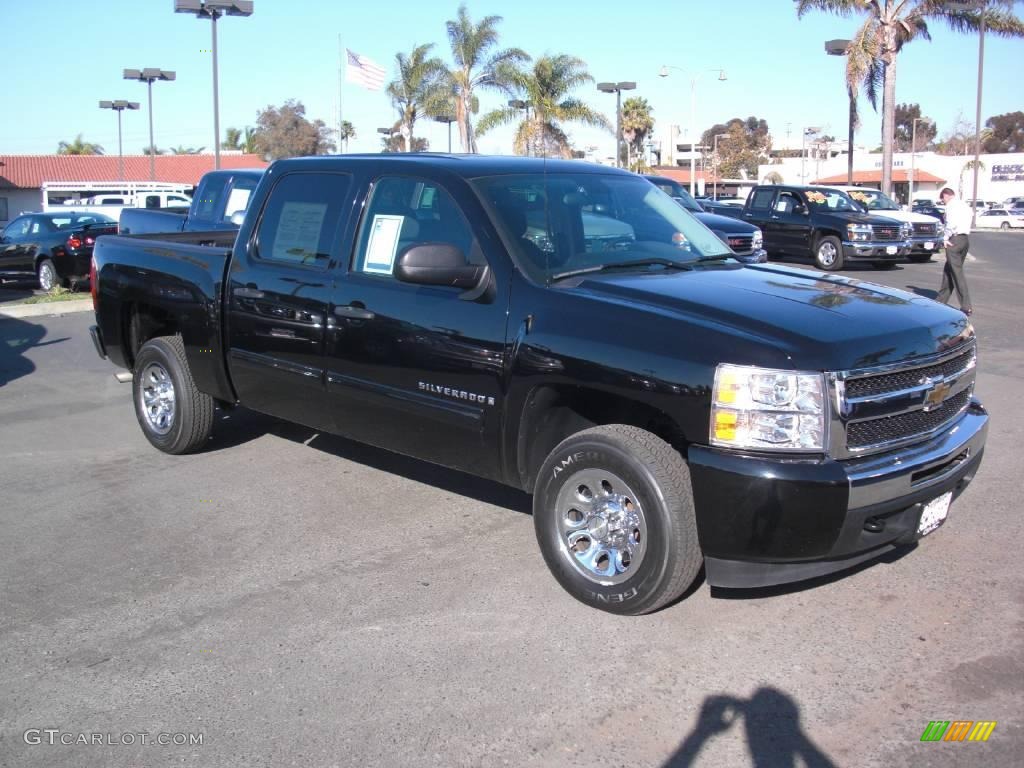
{"type": "Point", "coordinates": [248, 293]}
{"type": "Point", "coordinates": [355, 312]}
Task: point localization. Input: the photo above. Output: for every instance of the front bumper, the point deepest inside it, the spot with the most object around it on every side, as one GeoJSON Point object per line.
{"type": "Point", "coordinates": [772, 520]}
{"type": "Point", "coordinates": [758, 256]}
{"type": "Point", "coordinates": [876, 251]}
{"type": "Point", "coordinates": [922, 244]}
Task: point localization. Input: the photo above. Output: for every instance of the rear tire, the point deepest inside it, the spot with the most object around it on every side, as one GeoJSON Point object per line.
{"type": "Point", "coordinates": [828, 253]}
{"type": "Point", "coordinates": [175, 416]}
{"type": "Point", "coordinates": [614, 517]}
{"type": "Point", "coordinates": [47, 274]}
{"type": "Point", "coordinates": [1005, 225]}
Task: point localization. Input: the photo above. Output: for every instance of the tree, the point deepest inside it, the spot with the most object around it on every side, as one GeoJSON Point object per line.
{"type": "Point", "coordinates": [180, 150]}
{"type": "Point", "coordinates": [958, 140]}
{"type": "Point", "coordinates": [238, 140]}
{"type": "Point", "coordinates": [926, 130]}
{"type": "Point", "coordinates": [348, 131]}
{"type": "Point", "coordinates": [285, 132]}
{"type": "Point", "coordinates": [232, 139]}
{"type": "Point", "coordinates": [746, 145]}
{"type": "Point", "coordinates": [547, 87]}
{"type": "Point", "coordinates": [891, 24]}
{"type": "Point", "coordinates": [637, 124]}
{"type": "Point", "coordinates": [479, 65]}
{"type": "Point", "coordinates": [79, 147]}
{"type": "Point", "coordinates": [154, 151]}
{"type": "Point", "coordinates": [418, 89]}
{"type": "Point", "coordinates": [1007, 133]}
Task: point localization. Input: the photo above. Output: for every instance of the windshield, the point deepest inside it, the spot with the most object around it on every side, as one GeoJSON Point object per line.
{"type": "Point", "coordinates": [65, 221]}
{"type": "Point", "coordinates": [676, 190]}
{"type": "Point", "coordinates": [832, 199]}
{"type": "Point", "coordinates": [563, 222]}
{"type": "Point", "coordinates": [873, 200]}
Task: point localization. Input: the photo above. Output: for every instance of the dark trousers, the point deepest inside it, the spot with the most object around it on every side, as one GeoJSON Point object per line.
{"type": "Point", "coordinates": [953, 278]}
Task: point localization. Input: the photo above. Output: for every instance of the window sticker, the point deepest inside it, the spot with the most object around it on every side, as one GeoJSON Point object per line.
{"type": "Point", "coordinates": [816, 197]}
{"type": "Point", "coordinates": [383, 243]}
{"type": "Point", "coordinates": [298, 232]}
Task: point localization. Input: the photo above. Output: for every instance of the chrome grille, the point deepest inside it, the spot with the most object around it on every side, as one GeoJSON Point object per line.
{"type": "Point", "coordinates": [925, 229]}
{"type": "Point", "coordinates": [887, 407]}
{"type": "Point", "coordinates": [886, 232]}
{"type": "Point", "coordinates": [861, 434]}
{"type": "Point", "coordinates": [740, 243]}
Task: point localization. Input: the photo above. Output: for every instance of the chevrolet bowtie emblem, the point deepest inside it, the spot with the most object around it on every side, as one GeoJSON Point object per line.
{"type": "Point", "coordinates": [936, 396]}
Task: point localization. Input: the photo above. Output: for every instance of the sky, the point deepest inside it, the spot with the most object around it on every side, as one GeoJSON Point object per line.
{"type": "Point", "coordinates": [72, 54]}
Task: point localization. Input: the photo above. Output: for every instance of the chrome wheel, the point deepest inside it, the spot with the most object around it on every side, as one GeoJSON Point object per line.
{"type": "Point", "coordinates": [827, 254]}
{"type": "Point", "coordinates": [602, 530]}
{"type": "Point", "coordinates": [156, 398]}
{"type": "Point", "coordinates": [47, 276]}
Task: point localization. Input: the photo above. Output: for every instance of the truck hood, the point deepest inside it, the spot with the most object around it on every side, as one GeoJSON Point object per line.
{"type": "Point", "coordinates": [912, 218]}
{"type": "Point", "coordinates": [808, 320]}
{"type": "Point", "coordinates": [725, 224]}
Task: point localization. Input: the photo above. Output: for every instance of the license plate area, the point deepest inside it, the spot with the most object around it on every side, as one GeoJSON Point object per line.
{"type": "Point", "coordinates": [891, 250]}
{"type": "Point", "coordinates": [934, 514]}
{"type": "Point", "coordinates": [929, 246]}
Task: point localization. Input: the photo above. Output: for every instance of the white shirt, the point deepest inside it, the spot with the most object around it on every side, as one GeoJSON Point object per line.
{"type": "Point", "coordinates": [958, 218]}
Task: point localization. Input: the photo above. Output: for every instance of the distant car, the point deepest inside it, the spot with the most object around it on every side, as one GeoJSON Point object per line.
{"type": "Point", "coordinates": [999, 219]}
{"type": "Point", "coordinates": [929, 209]}
{"type": "Point", "coordinates": [55, 248]}
{"type": "Point", "coordinates": [1012, 202]}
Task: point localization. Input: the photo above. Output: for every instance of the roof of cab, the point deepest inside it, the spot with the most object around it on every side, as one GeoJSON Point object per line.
{"type": "Point", "coordinates": [469, 166]}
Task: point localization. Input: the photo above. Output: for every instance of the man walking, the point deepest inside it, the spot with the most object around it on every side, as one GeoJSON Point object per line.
{"type": "Point", "coordinates": [958, 227]}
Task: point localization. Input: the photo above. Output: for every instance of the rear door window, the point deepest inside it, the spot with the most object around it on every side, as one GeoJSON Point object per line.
{"type": "Point", "coordinates": [301, 219]}
{"type": "Point", "coordinates": [762, 199]}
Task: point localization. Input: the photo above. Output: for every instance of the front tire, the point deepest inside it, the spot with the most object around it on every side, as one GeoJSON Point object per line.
{"type": "Point", "coordinates": [614, 517]}
{"type": "Point", "coordinates": [1005, 225]}
{"type": "Point", "coordinates": [828, 253]}
{"type": "Point", "coordinates": [920, 258]}
{"type": "Point", "coordinates": [47, 273]}
{"type": "Point", "coordinates": [175, 416]}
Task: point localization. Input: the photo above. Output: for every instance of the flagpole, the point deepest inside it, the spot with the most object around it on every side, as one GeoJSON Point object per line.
{"type": "Point", "coordinates": [341, 79]}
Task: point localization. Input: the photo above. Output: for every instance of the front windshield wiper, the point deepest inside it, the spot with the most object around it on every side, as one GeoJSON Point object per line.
{"type": "Point", "coordinates": [715, 257]}
{"type": "Point", "coordinates": [622, 265]}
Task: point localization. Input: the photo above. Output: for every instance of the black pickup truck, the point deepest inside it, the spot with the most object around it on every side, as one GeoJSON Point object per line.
{"type": "Point", "coordinates": [569, 330]}
{"type": "Point", "coordinates": [220, 202]}
{"type": "Point", "coordinates": [823, 223]}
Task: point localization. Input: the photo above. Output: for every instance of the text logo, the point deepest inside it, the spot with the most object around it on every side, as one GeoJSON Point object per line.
{"type": "Point", "coordinates": [958, 730]}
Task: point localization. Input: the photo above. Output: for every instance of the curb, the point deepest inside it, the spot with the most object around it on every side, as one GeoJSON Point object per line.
{"type": "Point", "coordinates": [52, 308]}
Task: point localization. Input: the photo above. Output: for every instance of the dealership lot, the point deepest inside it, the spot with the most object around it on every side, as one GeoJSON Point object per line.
{"type": "Point", "coordinates": [295, 598]}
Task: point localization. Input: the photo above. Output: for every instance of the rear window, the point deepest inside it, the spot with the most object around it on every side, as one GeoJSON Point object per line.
{"type": "Point", "coordinates": [301, 219]}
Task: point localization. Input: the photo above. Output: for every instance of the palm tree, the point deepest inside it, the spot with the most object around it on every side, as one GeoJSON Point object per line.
{"type": "Point", "coordinates": [417, 89]}
{"type": "Point", "coordinates": [478, 65]}
{"type": "Point", "coordinates": [180, 150]}
{"type": "Point", "coordinates": [348, 131]}
{"type": "Point", "coordinates": [637, 124]}
{"type": "Point", "coordinates": [891, 24]}
{"type": "Point", "coordinates": [547, 88]}
{"type": "Point", "coordinates": [250, 145]}
{"type": "Point", "coordinates": [232, 139]}
{"type": "Point", "coordinates": [79, 147]}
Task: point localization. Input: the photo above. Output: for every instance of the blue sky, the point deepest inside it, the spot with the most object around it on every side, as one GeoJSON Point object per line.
{"type": "Point", "coordinates": [71, 55]}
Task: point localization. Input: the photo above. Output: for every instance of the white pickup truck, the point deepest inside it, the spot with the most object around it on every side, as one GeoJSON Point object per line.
{"type": "Point", "coordinates": [110, 198]}
{"type": "Point", "coordinates": [926, 234]}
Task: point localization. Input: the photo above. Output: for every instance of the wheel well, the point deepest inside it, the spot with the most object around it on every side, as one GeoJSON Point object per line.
{"type": "Point", "coordinates": [824, 233]}
{"type": "Point", "coordinates": [142, 322]}
{"type": "Point", "coordinates": [552, 414]}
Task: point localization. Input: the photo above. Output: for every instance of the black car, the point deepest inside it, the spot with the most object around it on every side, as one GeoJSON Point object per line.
{"type": "Point", "coordinates": [929, 210]}
{"type": "Point", "coordinates": [55, 248]}
{"type": "Point", "coordinates": [745, 239]}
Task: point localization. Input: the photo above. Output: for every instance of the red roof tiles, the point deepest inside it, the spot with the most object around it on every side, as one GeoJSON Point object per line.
{"type": "Point", "coordinates": [30, 171]}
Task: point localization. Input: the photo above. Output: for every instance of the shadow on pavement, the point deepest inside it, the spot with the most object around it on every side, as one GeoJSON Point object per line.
{"type": "Point", "coordinates": [240, 426]}
{"type": "Point", "coordinates": [17, 336]}
{"type": "Point", "coordinates": [928, 293]}
{"type": "Point", "coordinates": [771, 720]}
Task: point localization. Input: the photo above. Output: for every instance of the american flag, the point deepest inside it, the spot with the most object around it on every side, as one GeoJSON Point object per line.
{"type": "Point", "coordinates": [364, 71]}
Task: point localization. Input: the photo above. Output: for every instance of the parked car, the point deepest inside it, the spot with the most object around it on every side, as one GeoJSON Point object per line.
{"type": "Point", "coordinates": [927, 231]}
{"type": "Point", "coordinates": [927, 208]}
{"type": "Point", "coordinates": [1000, 219]}
{"type": "Point", "coordinates": [219, 203]}
{"type": "Point", "coordinates": [824, 224]}
{"type": "Point", "coordinates": [54, 248]}
{"type": "Point", "coordinates": [667, 406]}
{"type": "Point", "coordinates": [1013, 202]}
{"type": "Point", "coordinates": [744, 239]}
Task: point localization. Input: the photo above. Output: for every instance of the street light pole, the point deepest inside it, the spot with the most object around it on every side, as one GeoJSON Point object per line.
{"type": "Point", "coordinates": [841, 48]}
{"type": "Point", "coordinates": [663, 72]}
{"type": "Point", "coordinates": [617, 89]}
{"type": "Point", "coordinates": [913, 155]}
{"type": "Point", "coordinates": [447, 119]}
{"type": "Point", "coordinates": [807, 131]}
{"type": "Point", "coordinates": [214, 9]}
{"type": "Point", "coordinates": [148, 76]}
{"type": "Point", "coordinates": [119, 106]}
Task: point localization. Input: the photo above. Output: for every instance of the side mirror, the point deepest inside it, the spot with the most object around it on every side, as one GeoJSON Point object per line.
{"type": "Point", "coordinates": [237, 218]}
{"type": "Point", "coordinates": [437, 264]}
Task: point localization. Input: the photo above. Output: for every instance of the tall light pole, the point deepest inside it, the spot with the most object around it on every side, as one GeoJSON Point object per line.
{"type": "Point", "coordinates": [663, 72]}
{"type": "Point", "coordinates": [525, 106]}
{"type": "Point", "coordinates": [617, 89]}
{"type": "Point", "coordinates": [715, 153]}
{"type": "Point", "coordinates": [149, 76]}
{"type": "Point", "coordinates": [119, 106]}
{"type": "Point", "coordinates": [913, 155]}
{"type": "Point", "coordinates": [447, 119]}
{"type": "Point", "coordinates": [810, 131]}
{"type": "Point", "coordinates": [213, 10]}
{"type": "Point", "coordinates": [841, 48]}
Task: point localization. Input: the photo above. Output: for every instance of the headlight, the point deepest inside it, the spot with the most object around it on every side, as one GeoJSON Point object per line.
{"type": "Point", "coordinates": [768, 410]}
{"type": "Point", "coordinates": [858, 231]}
{"type": "Point", "coordinates": [758, 239]}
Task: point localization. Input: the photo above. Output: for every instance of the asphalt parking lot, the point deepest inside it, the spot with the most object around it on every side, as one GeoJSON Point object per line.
{"type": "Point", "coordinates": [297, 599]}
